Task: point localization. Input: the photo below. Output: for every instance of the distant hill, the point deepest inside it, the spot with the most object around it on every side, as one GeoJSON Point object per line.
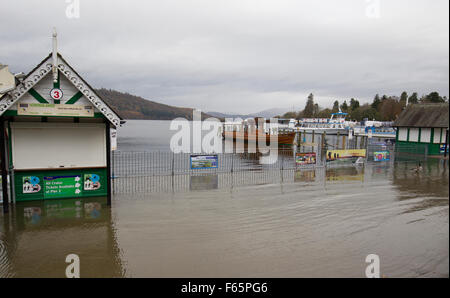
{"type": "Point", "coordinates": [272, 112]}
{"type": "Point", "coordinates": [134, 107]}
{"type": "Point", "coordinates": [223, 115]}
{"type": "Point", "coordinates": [265, 114]}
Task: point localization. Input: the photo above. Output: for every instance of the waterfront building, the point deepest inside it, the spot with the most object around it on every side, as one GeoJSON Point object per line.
{"type": "Point", "coordinates": [423, 126]}
{"type": "Point", "coordinates": [55, 134]}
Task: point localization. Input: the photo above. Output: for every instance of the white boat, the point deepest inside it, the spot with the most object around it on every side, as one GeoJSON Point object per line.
{"type": "Point", "coordinates": [335, 124]}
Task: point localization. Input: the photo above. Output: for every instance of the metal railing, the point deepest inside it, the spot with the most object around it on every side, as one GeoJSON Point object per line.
{"type": "Point", "coordinates": [156, 163]}
{"type": "Point", "coordinates": [136, 164]}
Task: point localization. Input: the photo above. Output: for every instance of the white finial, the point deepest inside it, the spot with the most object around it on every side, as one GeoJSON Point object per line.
{"type": "Point", "coordinates": [55, 57]}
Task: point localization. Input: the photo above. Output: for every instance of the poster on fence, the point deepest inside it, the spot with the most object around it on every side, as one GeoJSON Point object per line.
{"type": "Point", "coordinates": [305, 158]}
{"type": "Point", "coordinates": [345, 155]}
{"type": "Point", "coordinates": [204, 161]}
{"type": "Point", "coordinates": [381, 156]}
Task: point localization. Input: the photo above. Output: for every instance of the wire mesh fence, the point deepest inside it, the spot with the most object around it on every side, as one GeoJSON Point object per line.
{"type": "Point", "coordinates": [140, 164]}
{"type": "Point", "coordinates": [411, 153]}
{"type": "Point", "coordinates": [135, 164]}
{"type": "Point", "coordinates": [135, 172]}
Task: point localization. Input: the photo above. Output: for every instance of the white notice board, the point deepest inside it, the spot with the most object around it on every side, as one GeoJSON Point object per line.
{"type": "Point", "coordinates": [42, 145]}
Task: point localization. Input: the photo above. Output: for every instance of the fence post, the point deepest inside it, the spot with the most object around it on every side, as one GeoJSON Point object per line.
{"type": "Point", "coordinates": [446, 144]}
{"type": "Point", "coordinates": [426, 153]}
{"type": "Point", "coordinates": [322, 142]}
{"type": "Point", "coordinates": [367, 156]}
{"type": "Point", "coordinates": [113, 176]}
{"type": "Point", "coordinates": [173, 163]}
{"type": "Point", "coordinates": [3, 161]}
{"type": "Point", "coordinates": [232, 162]}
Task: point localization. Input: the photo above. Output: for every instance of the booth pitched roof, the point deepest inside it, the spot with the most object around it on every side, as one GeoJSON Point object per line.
{"type": "Point", "coordinates": [424, 115]}
{"type": "Point", "coordinates": [41, 70]}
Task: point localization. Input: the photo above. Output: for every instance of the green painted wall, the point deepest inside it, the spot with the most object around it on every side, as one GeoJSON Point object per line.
{"type": "Point", "coordinates": [57, 184]}
{"type": "Point", "coordinates": [417, 147]}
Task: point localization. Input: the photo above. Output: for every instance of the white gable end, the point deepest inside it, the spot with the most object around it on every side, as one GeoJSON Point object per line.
{"type": "Point", "coordinates": [43, 88]}
{"type": "Point", "coordinates": [40, 81]}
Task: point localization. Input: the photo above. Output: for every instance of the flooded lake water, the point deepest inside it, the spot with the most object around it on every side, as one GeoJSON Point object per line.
{"type": "Point", "coordinates": [279, 223]}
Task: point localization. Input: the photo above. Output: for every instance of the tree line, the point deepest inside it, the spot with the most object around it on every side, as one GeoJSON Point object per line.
{"type": "Point", "coordinates": [384, 108]}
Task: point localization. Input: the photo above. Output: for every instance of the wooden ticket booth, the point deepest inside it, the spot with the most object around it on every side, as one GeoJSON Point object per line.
{"type": "Point", "coordinates": [55, 134]}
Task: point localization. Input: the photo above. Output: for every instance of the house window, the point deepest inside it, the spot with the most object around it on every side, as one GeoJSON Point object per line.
{"type": "Point", "coordinates": [425, 135]}
{"type": "Point", "coordinates": [403, 134]}
{"type": "Point", "coordinates": [413, 134]}
{"type": "Point", "coordinates": [437, 136]}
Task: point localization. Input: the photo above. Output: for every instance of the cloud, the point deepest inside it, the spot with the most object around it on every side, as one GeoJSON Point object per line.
{"type": "Point", "coordinates": [239, 56]}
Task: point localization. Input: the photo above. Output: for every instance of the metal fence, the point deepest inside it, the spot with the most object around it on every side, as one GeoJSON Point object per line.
{"type": "Point", "coordinates": [142, 164]}
{"type": "Point", "coordinates": [136, 164]}
{"type": "Point", "coordinates": [161, 171]}
{"type": "Point", "coordinates": [411, 153]}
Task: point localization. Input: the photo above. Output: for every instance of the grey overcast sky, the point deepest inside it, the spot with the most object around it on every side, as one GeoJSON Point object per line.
{"type": "Point", "coordinates": [239, 55]}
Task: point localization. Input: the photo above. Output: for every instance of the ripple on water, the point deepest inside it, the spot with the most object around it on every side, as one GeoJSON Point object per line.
{"type": "Point", "coordinates": [4, 261]}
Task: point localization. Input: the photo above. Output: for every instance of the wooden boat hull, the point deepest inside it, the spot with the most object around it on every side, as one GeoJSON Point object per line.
{"type": "Point", "coordinates": [283, 139]}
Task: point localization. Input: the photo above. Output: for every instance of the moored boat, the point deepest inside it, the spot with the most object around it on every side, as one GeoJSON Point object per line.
{"type": "Point", "coordinates": [251, 130]}
{"type": "Point", "coordinates": [335, 124]}
{"type": "Point", "coordinates": [283, 138]}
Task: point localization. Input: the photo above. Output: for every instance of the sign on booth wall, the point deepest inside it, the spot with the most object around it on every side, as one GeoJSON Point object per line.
{"type": "Point", "coordinates": [44, 109]}
{"type": "Point", "coordinates": [91, 182]}
{"type": "Point", "coordinates": [56, 94]}
{"type": "Point", "coordinates": [30, 184]}
{"type": "Point", "coordinates": [62, 186]}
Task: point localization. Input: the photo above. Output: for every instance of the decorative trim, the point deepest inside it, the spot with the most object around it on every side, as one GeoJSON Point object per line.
{"type": "Point", "coordinates": [37, 75]}
{"type": "Point", "coordinates": [41, 71]}
{"type": "Point", "coordinates": [57, 83]}
{"type": "Point", "coordinates": [78, 82]}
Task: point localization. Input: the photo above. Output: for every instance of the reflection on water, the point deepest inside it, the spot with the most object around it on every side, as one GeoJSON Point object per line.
{"type": "Point", "coordinates": [37, 236]}
{"type": "Point", "coordinates": [319, 222]}
{"type": "Point", "coordinates": [204, 182]}
{"type": "Point", "coordinates": [427, 182]}
{"type": "Point", "coordinates": [355, 173]}
{"type": "Point", "coordinates": [420, 187]}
